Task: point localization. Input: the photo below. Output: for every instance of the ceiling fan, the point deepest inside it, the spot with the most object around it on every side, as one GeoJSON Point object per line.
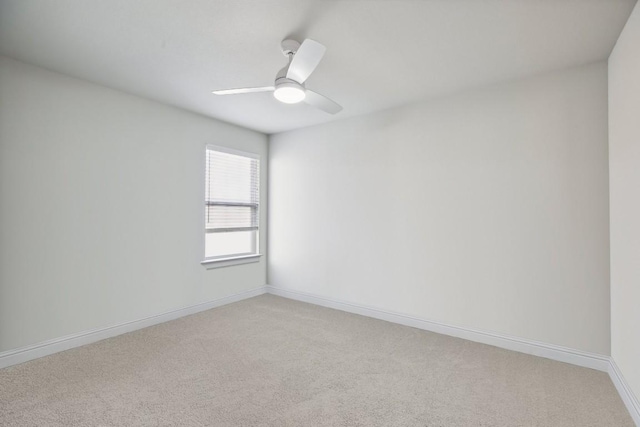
{"type": "Point", "coordinates": [289, 84]}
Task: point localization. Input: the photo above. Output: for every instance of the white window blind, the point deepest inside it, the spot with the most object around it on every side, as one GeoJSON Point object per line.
{"type": "Point", "coordinates": [232, 194]}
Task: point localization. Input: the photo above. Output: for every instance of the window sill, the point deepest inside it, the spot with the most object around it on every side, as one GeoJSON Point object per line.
{"type": "Point", "coordinates": [227, 262]}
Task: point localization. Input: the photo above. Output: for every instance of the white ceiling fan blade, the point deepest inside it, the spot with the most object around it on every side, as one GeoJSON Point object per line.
{"type": "Point", "coordinates": [305, 60]}
{"type": "Point", "coordinates": [322, 102]}
{"type": "Point", "coordinates": [243, 90]}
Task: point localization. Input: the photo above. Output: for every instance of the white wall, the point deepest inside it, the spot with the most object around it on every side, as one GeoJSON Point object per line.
{"type": "Point", "coordinates": [624, 165]}
{"type": "Point", "coordinates": [102, 207]}
{"type": "Point", "coordinates": [486, 209]}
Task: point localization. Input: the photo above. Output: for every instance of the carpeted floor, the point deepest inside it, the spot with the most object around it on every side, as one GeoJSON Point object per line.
{"type": "Point", "coordinates": [270, 361]}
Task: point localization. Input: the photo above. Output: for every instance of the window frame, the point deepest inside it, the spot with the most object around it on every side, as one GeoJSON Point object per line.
{"type": "Point", "coordinates": [239, 258]}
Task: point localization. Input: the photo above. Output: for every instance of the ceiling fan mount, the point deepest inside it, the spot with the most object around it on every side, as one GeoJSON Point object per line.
{"type": "Point", "coordinates": [289, 47]}
{"type": "Point", "coordinates": [289, 85]}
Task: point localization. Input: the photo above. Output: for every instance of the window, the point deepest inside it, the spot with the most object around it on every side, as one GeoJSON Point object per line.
{"type": "Point", "coordinates": [232, 205]}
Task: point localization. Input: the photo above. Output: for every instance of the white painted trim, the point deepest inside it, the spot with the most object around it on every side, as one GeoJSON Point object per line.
{"type": "Point", "coordinates": [226, 262]}
{"type": "Point", "coordinates": [629, 399]}
{"type": "Point", "coordinates": [45, 348]}
{"type": "Point", "coordinates": [233, 151]}
{"type": "Point", "coordinates": [535, 348]}
{"type": "Point", "coordinates": [562, 354]}
{"type": "Point", "coordinates": [522, 345]}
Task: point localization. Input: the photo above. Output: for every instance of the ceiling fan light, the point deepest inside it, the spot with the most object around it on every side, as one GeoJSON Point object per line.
{"type": "Point", "coordinates": [289, 93]}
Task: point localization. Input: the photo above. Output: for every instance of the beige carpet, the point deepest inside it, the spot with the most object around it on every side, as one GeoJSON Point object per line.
{"type": "Point", "coordinates": [269, 361]}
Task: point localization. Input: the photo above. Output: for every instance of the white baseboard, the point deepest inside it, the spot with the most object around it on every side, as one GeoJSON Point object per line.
{"type": "Point", "coordinates": [24, 354]}
{"type": "Point", "coordinates": [629, 399]}
{"type": "Point", "coordinates": [535, 348]}
{"type": "Point", "coordinates": [522, 345]}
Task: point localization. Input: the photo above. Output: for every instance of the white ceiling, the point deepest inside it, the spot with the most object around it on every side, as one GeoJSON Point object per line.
{"type": "Point", "coordinates": [380, 53]}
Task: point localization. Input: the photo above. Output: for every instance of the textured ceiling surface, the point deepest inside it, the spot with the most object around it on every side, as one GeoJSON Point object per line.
{"type": "Point", "coordinates": [380, 53]}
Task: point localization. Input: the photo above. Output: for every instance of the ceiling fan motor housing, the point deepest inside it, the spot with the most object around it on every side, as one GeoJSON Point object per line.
{"type": "Point", "coordinates": [281, 79]}
{"type": "Point", "coordinates": [288, 90]}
